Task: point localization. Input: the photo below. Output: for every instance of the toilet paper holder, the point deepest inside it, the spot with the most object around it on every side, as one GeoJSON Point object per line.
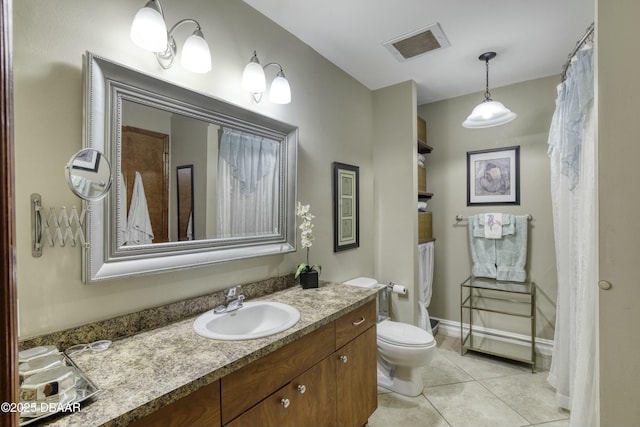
{"type": "Point", "coordinates": [397, 289]}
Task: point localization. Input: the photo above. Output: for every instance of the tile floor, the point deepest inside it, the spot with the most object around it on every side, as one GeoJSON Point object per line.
{"type": "Point", "coordinates": [474, 390]}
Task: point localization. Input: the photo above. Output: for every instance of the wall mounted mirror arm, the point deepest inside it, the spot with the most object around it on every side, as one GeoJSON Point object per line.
{"type": "Point", "coordinates": [89, 177]}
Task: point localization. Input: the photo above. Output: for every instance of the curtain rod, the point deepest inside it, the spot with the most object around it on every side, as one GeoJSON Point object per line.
{"type": "Point", "coordinates": [587, 36]}
{"type": "Point", "coordinates": [465, 218]}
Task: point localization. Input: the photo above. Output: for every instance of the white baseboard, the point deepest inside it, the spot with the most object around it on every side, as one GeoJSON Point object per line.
{"type": "Point", "coordinates": [451, 328]}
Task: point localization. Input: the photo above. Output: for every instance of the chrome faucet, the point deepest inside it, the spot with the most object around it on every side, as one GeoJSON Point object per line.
{"type": "Point", "coordinates": [232, 301]}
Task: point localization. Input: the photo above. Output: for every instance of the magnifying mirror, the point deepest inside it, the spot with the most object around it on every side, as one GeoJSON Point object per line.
{"type": "Point", "coordinates": [89, 174]}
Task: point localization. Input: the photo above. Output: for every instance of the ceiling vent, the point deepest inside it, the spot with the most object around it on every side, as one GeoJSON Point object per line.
{"type": "Point", "coordinates": [417, 43]}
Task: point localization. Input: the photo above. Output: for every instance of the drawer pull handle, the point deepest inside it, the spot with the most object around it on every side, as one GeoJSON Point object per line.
{"type": "Point", "coordinates": [302, 388]}
{"type": "Point", "coordinates": [344, 359]}
{"type": "Point", "coordinates": [285, 402]}
{"type": "Point", "coordinates": [359, 322]}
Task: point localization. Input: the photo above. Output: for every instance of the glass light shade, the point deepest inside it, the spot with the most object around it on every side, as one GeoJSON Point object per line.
{"type": "Point", "coordinates": [280, 92]}
{"type": "Point", "coordinates": [253, 79]}
{"type": "Point", "coordinates": [148, 30]}
{"type": "Point", "coordinates": [196, 56]}
{"type": "Point", "coordinates": [487, 114]}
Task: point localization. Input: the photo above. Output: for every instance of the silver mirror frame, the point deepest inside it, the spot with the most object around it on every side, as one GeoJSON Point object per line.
{"type": "Point", "coordinates": [107, 84]}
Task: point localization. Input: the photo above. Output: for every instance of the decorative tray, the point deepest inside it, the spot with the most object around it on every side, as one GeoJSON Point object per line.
{"type": "Point", "coordinates": [84, 388]}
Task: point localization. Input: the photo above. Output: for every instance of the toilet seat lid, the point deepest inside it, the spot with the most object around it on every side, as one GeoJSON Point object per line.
{"type": "Point", "coordinates": [403, 334]}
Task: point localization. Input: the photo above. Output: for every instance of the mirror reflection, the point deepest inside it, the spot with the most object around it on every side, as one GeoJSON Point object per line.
{"type": "Point", "coordinates": [234, 175]}
{"type": "Point", "coordinates": [89, 174]}
{"type": "Point", "coordinates": [197, 180]}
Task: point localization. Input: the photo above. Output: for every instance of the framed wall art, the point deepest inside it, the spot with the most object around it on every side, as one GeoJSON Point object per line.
{"type": "Point", "coordinates": [493, 176]}
{"type": "Point", "coordinates": [346, 207]}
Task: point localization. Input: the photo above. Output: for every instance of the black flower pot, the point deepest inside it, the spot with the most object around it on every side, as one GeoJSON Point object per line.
{"type": "Point", "coordinates": [309, 279]}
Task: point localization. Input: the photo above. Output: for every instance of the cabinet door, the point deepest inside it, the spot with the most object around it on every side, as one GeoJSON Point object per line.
{"type": "Point", "coordinates": [356, 380]}
{"type": "Point", "coordinates": [309, 400]}
{"type": "Point", "coordinates": [200, 408]}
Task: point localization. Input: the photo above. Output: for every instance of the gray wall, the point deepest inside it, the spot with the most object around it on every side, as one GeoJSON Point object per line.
{"type": "Point", "coordinates": [333, 111]}
{"type": "Point", "coordinates": [534, 102]}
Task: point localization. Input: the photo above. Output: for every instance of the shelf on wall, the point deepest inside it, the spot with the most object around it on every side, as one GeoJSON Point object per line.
{"type": "Point", "coordinates": [423, 147]}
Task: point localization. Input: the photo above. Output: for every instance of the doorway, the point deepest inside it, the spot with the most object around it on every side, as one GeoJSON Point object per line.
{"type": "Point", "coordinates": [147, 152]}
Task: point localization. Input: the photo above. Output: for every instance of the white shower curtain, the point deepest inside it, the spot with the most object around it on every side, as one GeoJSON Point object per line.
{"type": "Point", "coordinates": [573, 153]}
{"type": "Point", "coordinates": [247, 185]}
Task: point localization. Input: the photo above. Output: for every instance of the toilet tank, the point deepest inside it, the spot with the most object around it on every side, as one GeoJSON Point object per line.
{"type": "Point", "coordinates": [382, 299]}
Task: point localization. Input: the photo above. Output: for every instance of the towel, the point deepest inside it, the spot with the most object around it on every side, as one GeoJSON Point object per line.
{"type": "Point", "coordinates": [122, 211]}
{"type": "Point", "coordinates": [483, 251]}
{"type": "Point", "coordinates": [422, 206]}
{"type": "Point", "coordinates": [425, 283]}
{"type": "Point", "coordinates": [493, 226]}
{"type": "Point", "coordinates": [139, 230]}
{"type": "Point", "coordinates": [511, 253]}
{"type": "Point", "coordinates": [190, 227]}
{"type": "Point", "coordinates": [508, 225]}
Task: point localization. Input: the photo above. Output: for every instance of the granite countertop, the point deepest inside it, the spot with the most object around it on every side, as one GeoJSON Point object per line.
{"type": "Point", "coordinates": [139, 374]}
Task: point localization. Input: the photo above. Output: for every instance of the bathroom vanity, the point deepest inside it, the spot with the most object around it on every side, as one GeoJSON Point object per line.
{"type": "Point", "coordinates": [320, 372]}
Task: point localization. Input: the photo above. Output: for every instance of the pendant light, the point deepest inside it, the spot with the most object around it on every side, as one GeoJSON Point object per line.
{"type": "Point", "coordinates": [489, 112]}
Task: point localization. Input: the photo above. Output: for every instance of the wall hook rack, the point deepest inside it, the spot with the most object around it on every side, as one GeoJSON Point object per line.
{"type": "Point", "coordinates": [62, 228]}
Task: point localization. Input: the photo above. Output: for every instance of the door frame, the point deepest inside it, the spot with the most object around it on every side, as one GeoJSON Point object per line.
{"type": "Point", "coordinates": [8, 293]}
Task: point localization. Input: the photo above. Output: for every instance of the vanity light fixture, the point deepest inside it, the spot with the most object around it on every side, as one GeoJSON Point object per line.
{"type": "Point", "coordinates": [254, 82]}
{"type": "Point", "coordinates": [149, 31]}
{"type": "Point", "coordinates": [489, 112]}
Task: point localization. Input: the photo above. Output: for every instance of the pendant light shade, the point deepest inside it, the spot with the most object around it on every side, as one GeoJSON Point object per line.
{"type": "Point", "coordinates": [489, 112]}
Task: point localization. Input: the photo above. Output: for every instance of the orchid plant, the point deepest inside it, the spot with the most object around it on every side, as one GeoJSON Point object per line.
{"type": "Point", "coordinates": [306, 237]}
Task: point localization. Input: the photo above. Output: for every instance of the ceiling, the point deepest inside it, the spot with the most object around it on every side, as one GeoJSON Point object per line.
{"type": "Point", "coordinates": [532, 39]}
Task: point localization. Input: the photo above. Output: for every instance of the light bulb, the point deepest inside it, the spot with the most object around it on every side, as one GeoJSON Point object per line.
{"type": "Point", "coordinates": [148, 30]}
{"type": "Point", "coordinates": [280, 92]}
{"type": "Point", "coordinates": [196, 56]}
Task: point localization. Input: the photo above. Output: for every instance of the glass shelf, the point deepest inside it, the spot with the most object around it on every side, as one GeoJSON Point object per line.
{"type": "Point", "coordinates": [483, 297]}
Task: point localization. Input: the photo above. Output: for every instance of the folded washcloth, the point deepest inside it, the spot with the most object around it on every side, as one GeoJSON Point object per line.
{"type": "Point", "coordinates": [493, 226]}
{"type": "Point", "coordinates": [422, 206]}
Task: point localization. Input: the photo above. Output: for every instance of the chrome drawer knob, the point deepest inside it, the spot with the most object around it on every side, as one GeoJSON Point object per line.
{"type": "Point", "coordinates": [285, 402]}
{"type": "Point", "coordinates": [344, 359]}
{"type": "Point", "coordinates": [302, 388]}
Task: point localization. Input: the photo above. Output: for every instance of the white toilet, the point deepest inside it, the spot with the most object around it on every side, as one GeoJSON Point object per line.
{"type": "Point", "coordinates": [403, 349]}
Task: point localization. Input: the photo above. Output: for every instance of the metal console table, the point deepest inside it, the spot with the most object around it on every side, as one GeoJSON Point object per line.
{"type": "Point", "coordinates": [484, 295]}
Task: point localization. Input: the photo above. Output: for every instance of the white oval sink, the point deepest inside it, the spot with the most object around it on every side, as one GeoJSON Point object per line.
{"type": "Point", "coordinates": [255, 319]}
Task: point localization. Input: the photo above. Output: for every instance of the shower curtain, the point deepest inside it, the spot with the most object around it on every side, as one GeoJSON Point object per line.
{"type": "Point", "coordinates": [247, 185]}
{"type": "Point", "coordinates": [573, 154]}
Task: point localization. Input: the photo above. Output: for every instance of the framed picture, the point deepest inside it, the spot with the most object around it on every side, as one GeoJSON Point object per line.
{"type": "Point", "coordinates": [87, 160]}
{"type": "Point", "coordinates": [346, 207]}
{"type": "Point", "coordinates": [493, 176]}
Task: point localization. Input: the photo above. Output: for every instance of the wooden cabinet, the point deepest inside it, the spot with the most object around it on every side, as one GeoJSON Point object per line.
{"type": "Point", "coordinates": [327, 378]}
{"type": "Point", "coordinates": [308, 400]}
{"type": "Point", "coordinates": [249, 385]}
{"type": "Point", "coordinates": [356, 380]}
{"type": "Point", "coordinates": [338, 388]}
{"type": "Point", "coordinates": [199, 409]}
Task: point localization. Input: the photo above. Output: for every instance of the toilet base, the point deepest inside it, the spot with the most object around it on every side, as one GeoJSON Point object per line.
{"type": "Point", "coordinates": [401, 379]}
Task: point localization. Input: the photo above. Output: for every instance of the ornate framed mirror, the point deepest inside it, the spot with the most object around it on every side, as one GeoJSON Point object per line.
{"type": "Point", "coordinates": [242, 167]}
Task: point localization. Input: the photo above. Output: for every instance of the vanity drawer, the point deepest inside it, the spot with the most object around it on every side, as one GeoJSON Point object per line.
{"type": "Point", "coordinates": [247, 386]}
{"type": "Point", "coordinates": [354, 323]}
